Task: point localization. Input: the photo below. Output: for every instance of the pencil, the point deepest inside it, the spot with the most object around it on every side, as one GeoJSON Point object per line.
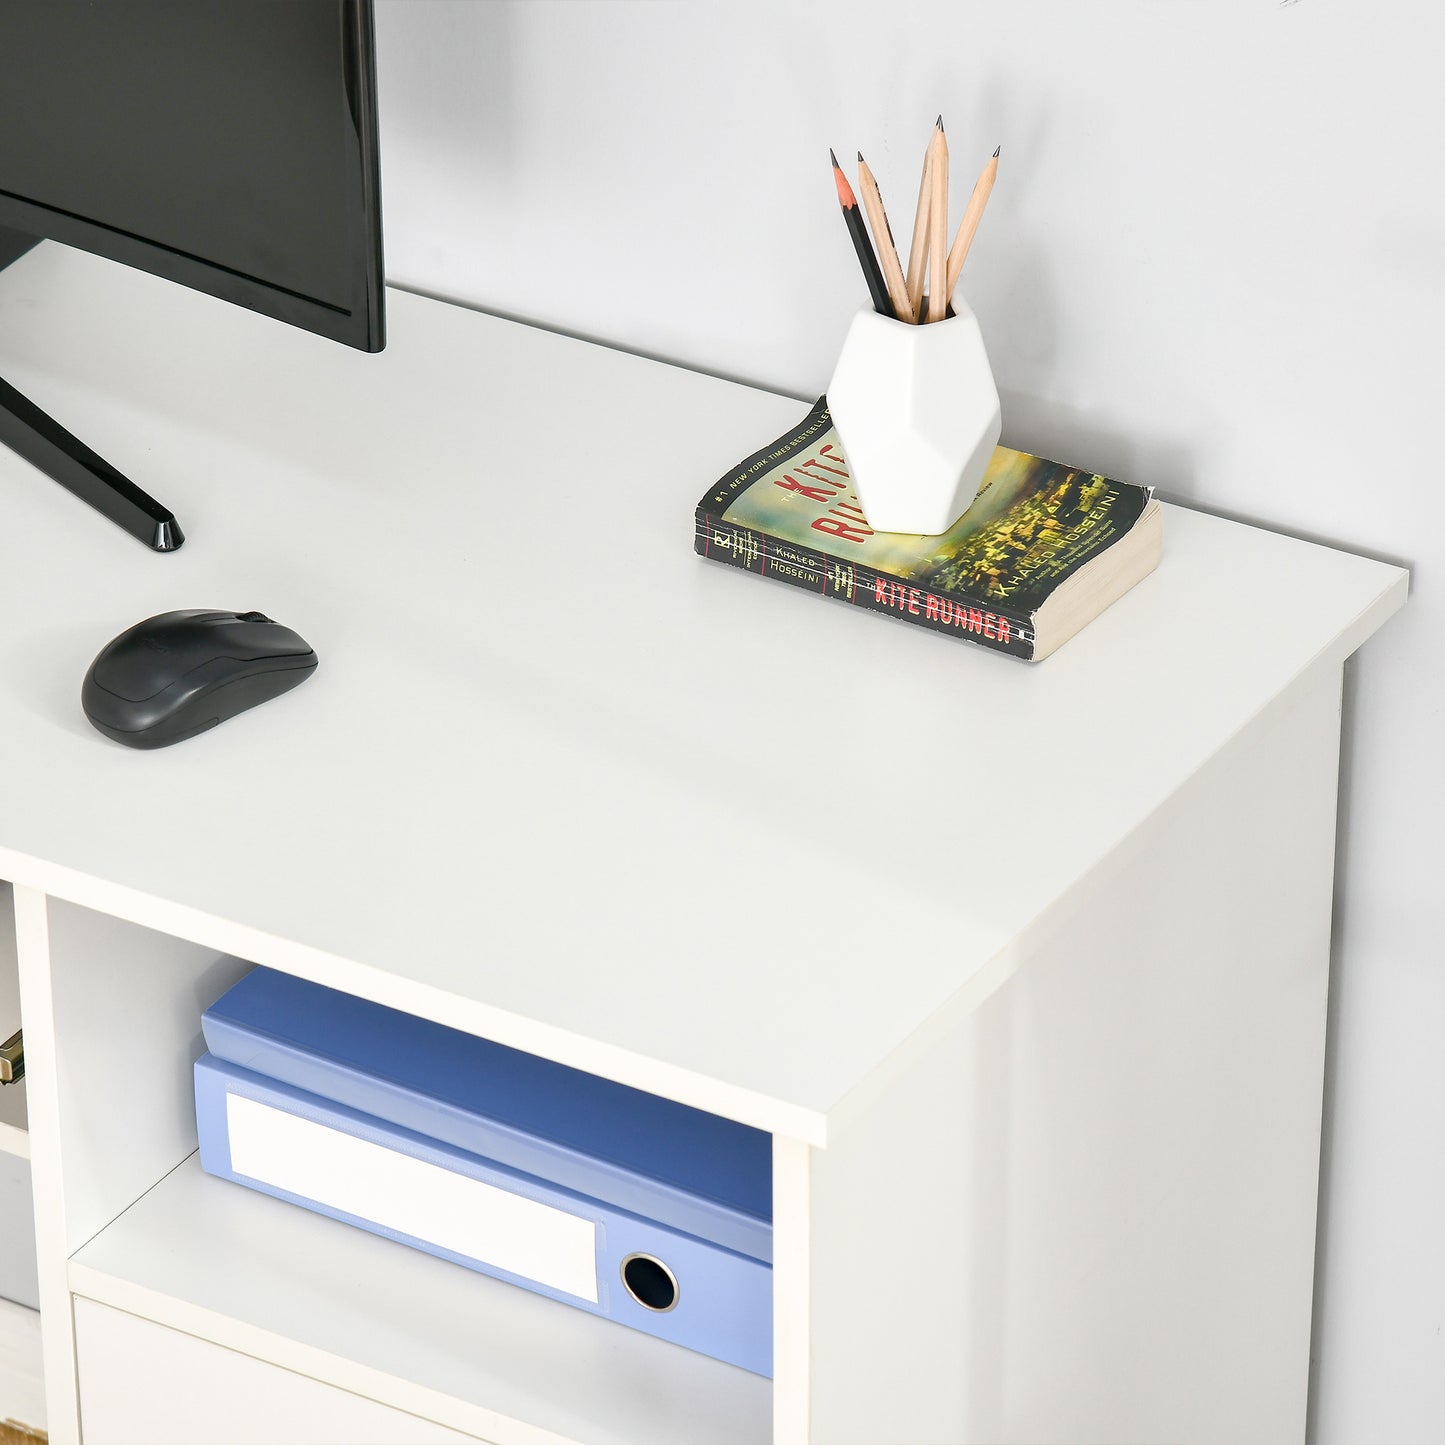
{"type": "Point", "coordinates": [938, 224]}
{"type": "Point", "coordinates": [971, 217]}
{"type": "Point", "coordinates": [861, 244]}
{"type": "Point", "coordinates": [883, 243]}
{"type": "Point", "coordinates": [918, 247]}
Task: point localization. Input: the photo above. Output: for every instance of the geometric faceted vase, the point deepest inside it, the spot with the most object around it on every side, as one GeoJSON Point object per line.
{"type": "Point", "coordinates": [917, 413]}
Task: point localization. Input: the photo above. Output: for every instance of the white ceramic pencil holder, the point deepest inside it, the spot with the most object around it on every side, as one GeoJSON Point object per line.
{"type": "Point", "coordinates": [917, 413]}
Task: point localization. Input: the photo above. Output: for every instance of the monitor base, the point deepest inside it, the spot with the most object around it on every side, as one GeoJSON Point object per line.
{"type": "Point", "coordinates": [43, 442]}
{"type": "Point", "coordinates": [14, 244]}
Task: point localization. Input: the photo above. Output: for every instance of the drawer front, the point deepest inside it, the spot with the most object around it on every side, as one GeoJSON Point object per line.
{"type": "Point", "coordinates": [144, 1384]}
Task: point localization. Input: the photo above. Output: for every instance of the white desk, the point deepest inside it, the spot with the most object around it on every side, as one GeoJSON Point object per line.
{"type": "Point", "coordinates": [1024, 968]}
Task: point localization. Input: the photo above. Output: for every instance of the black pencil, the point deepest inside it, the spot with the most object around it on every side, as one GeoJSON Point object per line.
{"type": "Point", "coordinates": [872, 272]}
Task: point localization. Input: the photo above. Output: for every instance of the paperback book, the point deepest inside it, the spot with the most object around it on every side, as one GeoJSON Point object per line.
{"type": "Point", "coordinates": [1041, 552]}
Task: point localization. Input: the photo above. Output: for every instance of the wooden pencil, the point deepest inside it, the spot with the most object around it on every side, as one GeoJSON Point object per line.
{"type": "Point", "coordinates": [938, 224]}
{"type": "Point", "coordinates": [861, 244]}
{"type": "Point", "coordinates": [883, 243]}
{"type": "Point", "coordinates": [918, 247]}
{"type": "Point", "coordinates": [971, 217]}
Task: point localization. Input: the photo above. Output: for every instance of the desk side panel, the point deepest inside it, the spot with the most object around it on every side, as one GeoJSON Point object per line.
{"type": "Point", "coordinates": [1088, 1211]}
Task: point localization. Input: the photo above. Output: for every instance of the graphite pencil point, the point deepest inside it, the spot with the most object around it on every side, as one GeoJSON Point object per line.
{"type": "Point", "coordinates": [858, 233]}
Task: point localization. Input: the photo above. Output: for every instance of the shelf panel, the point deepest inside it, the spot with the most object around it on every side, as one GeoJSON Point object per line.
{"type": "Point", "coordinates": [368, 1315]}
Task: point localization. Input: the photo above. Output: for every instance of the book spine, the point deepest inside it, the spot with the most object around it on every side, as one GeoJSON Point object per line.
{"type": "Point", "coordinates": [971, 618]}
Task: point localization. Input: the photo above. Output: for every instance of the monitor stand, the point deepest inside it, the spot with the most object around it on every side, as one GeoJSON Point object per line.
{"type": "Point", "coordinates": [43, 442]}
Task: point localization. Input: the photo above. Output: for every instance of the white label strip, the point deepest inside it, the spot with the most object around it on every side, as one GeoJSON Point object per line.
{"type": "Point", "coordinates": [470, 1218]}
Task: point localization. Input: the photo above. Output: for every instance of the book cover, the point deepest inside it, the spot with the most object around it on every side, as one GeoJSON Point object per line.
{"type": "Point", "coordinates": [789, 512]}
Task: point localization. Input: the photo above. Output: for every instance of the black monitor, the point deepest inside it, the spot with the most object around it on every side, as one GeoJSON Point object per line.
{"type": "Point", "coordinates": [229, 145]}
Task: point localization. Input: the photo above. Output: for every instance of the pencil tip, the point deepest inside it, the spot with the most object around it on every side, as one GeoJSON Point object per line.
{"type": "Point", "coordinates": [833, 158]}
{"type": "Point", "coordinates": [861, 161]}
{"type": "Point", "coordinates": [996, 150]}
{"type": "Point", "coordinates": [939, 122]}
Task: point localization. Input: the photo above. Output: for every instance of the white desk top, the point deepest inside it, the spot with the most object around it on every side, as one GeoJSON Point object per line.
{"type": "Point", "coordinates": [556, 779]}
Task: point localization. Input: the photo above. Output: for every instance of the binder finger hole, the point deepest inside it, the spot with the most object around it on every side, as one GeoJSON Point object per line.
{"type": "Point", "coordinates": [649, 1282]}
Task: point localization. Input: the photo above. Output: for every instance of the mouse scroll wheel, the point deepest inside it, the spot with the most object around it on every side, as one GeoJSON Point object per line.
{"type": "Point", "coordinates": [252, 617]}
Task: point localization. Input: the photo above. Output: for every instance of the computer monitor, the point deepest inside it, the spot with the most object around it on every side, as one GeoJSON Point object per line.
{"type": "Point", "coordinates": [228, 145]}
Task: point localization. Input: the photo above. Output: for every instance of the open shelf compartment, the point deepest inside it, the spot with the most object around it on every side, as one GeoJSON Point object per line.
{"type": "Point", "coordinates": [150, 1233]}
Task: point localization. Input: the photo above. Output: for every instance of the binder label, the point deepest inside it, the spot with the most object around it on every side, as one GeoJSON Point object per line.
{"type": "Point", "coordinates": [368, 1181]}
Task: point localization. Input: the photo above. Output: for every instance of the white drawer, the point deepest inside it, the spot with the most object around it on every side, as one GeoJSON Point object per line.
{"type": "Point", "coordinates": [144, 1384]}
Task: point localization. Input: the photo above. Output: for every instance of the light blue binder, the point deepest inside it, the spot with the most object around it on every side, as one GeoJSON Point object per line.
{"type": "Point", "coordinates": [391, 1181]}
{"type": "Point", "coordinates": [644, 1174]}
{"type": "Point", "coordinates": [688, 1169]}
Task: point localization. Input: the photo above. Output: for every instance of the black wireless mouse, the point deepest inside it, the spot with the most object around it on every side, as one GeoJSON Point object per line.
{"type": "Point", "coordinates": [173, 676]}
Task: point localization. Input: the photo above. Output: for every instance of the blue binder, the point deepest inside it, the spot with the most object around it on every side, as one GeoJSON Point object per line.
{"type": "Point", "coordinates": [653, 1214]}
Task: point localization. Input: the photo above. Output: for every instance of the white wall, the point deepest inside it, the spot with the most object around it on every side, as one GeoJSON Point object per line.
{"type": "Point", "coordinates": [1214, 261]}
